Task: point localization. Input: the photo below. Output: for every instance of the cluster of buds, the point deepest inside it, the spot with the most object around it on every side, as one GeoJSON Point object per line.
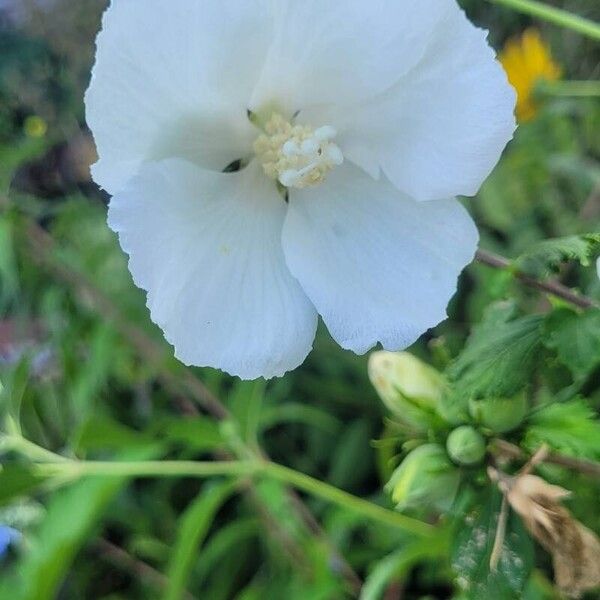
{"type": "Point", "coordinates": [444, 441]}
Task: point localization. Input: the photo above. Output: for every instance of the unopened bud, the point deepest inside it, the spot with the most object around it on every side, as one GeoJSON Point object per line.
{"type": "Point", "coordinates": [425, 478]}
{"type": "Point", "coordinates": [500, 414]}
{"type": "Point", "coordinates": [466, 446]}
{"type": "Point", "coordinates": [410, 388]}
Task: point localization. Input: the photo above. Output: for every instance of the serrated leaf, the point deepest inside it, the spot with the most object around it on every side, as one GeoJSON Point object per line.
{"type": "Point", "coordinates": [576, 339]}
{"type": "Point", "coordinates": [545, 257]}
{"type": "Point", "coordinates": [570, 428]}
{"type": "Point", "coordinates": [473, 548]}
{"type": "Point", "coordinates": [500, 356]}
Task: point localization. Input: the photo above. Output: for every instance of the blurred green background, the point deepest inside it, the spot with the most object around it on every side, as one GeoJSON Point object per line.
{"type": "Point", "coordinates": [95, 379]}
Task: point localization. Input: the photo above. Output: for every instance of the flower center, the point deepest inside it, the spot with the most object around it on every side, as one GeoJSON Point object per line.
{"type": "Point", "coordinates": [297, 156]}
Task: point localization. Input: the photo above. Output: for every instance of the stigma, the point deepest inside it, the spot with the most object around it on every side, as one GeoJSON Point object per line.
{"type": "Point", "coordinates": [297, 156]}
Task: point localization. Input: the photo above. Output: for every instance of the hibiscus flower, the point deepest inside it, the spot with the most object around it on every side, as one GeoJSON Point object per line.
{"type": "Point", "coordinates": [272, 160]}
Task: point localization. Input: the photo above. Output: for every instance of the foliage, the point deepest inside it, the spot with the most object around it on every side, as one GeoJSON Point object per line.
{"type": "Point", "coordinates": [86, 377]}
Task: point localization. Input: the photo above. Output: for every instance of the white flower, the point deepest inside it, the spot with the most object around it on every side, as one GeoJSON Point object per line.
{"type": "Point", "coordinates": [367, 118]}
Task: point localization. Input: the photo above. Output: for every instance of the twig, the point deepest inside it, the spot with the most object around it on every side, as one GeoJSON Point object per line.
{"type": "Point", "coordinates": [587, 467]}
{"type": "Point", "coordinates": [558, 16]}
{"type": "Point", "coordinates": [549, 287]}
{"type": "Point", "coordinates": [500, 535]}
{"type": "Point", "coordinates": [123, 560]}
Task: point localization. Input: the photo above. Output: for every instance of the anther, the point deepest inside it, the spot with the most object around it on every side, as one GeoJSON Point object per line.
{"type": "Point", "coordinates": [296, 155]}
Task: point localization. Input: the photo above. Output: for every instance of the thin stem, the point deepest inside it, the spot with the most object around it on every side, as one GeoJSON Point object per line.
{"type": "Point", "coordinates": [340, 497]}
{"type": "Point", "coordinates": [166, 468]}
{"type": "Point", "coordinates": [75, 469]}
{"type": "Point", "coordinates": [500, 535]}
{"type": "Point", "coordinates": [569, 89]}
{"type": "Point", "coordinates": [29, 449]}
{"type": "Point", "coordinates": [554, 15]}
{"type": "Point", "coordinates": [549, 287]}
{"type": "Point", "coordinates": [587, 467]}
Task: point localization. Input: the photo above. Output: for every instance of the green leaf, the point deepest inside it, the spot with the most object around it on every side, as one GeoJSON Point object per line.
{"type": "Point", "coordinates": [17, 480]}
{"type": "Point", "coordinates": [9, 271]}
{"type": "Point", "coordinates": [13, 392]}
{"type": "Point", "coordinates": [102, 433]}
{"type": "Point", "coordinates": [576, 339]}
{"type": "Point", "coordinates": [89, 381]}
{"type": "Point", "coordinates": [500, 356]}
{"type": "Point", "coordinates": [295, 412]}
{"type": "Point", "coordinates": [224, 545]}
{"type": "Point", "coordinates": [473, 548]}
{"type": "Point", "coordinates": [71, 516]}
{"type": "Point", "coordinates": [196, 433]}
{"type": "Point", "coordinates": [397, 565]}
{"type": "Point", "coordinates": [545, 257]}
{"type": "Point", "coordinates": [570, 428]}
{"type": "Point", "coordinates": [193, 528]}
{"type": "Point", "coordinates": [353, 457]}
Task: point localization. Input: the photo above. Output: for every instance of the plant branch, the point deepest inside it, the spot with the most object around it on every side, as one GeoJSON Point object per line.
{"type": "Point", "coordinates": [569, 89]}
{"type": "Point", "coordinates": [245, 468]}
{"type": "Point", "coordinates": [554, 15]}
{"type": "Point", "coordinates": [346, 500]}
{"type": "Point", "coordinates": [586, 467]}
{"type": "Point", "coordinates": [549, 286]}
{"type": "Point", "coordinates": [17, 443]}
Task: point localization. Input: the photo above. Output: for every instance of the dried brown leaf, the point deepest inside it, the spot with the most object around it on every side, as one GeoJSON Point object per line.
{"type": "Point", "coordinates": [574, 548]}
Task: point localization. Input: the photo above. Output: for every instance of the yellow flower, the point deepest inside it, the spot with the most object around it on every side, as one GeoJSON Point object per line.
{"type": "Point", "coordinates": [527, 60]}
{"type": "Point", "coordinates": [35, 127]}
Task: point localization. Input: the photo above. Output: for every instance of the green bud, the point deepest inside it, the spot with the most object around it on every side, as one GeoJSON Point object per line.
{"type": "Point", "coordinates": [425, 478]}
{"type": "Point", "coordinates": [465, 445]}
{"type": "Point", "coordinates": [410, 388]}
{"type": "Point", "coordinates": [500, 414]}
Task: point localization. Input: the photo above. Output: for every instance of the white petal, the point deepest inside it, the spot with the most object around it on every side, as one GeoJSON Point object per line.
{"type": "Point", "coordinates": [342, 52]}
{"type": "Point", "coordinates": [441, 129]}
{"type": "Point", "coordinates": [207, 248]}
{"type": "Point", "coordinates": [378, 265]}
{"type": "Point", "coordinates": [174, 79]}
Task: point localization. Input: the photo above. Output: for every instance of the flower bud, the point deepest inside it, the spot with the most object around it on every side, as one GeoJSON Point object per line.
{"type": "Point", "coordinates": [500, 414]}
{"type": "Point", "coordinates": [425, 478]}
{"type": "Point", "coordinates": [466, 446]}
{"type": "Point", "coordinates": [409, 388]}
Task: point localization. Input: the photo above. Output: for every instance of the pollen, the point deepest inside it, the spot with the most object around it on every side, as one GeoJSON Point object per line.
{"type": "Point", "coordinates": [297, 156]}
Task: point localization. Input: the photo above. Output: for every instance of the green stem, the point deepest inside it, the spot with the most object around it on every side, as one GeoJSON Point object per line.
{"type": "Point", "coordinates": [166, 468]}
{"type": "Point", "coordinates": [34, 452]}
{"type": "Point", "coordinates": [340, 497]}
{"type": "Point", "coordinates": [569, 89]}
{"type": "Point", "coordinates": [245, 468]}
{"type": "Point", "coordinates": [554, 15]}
